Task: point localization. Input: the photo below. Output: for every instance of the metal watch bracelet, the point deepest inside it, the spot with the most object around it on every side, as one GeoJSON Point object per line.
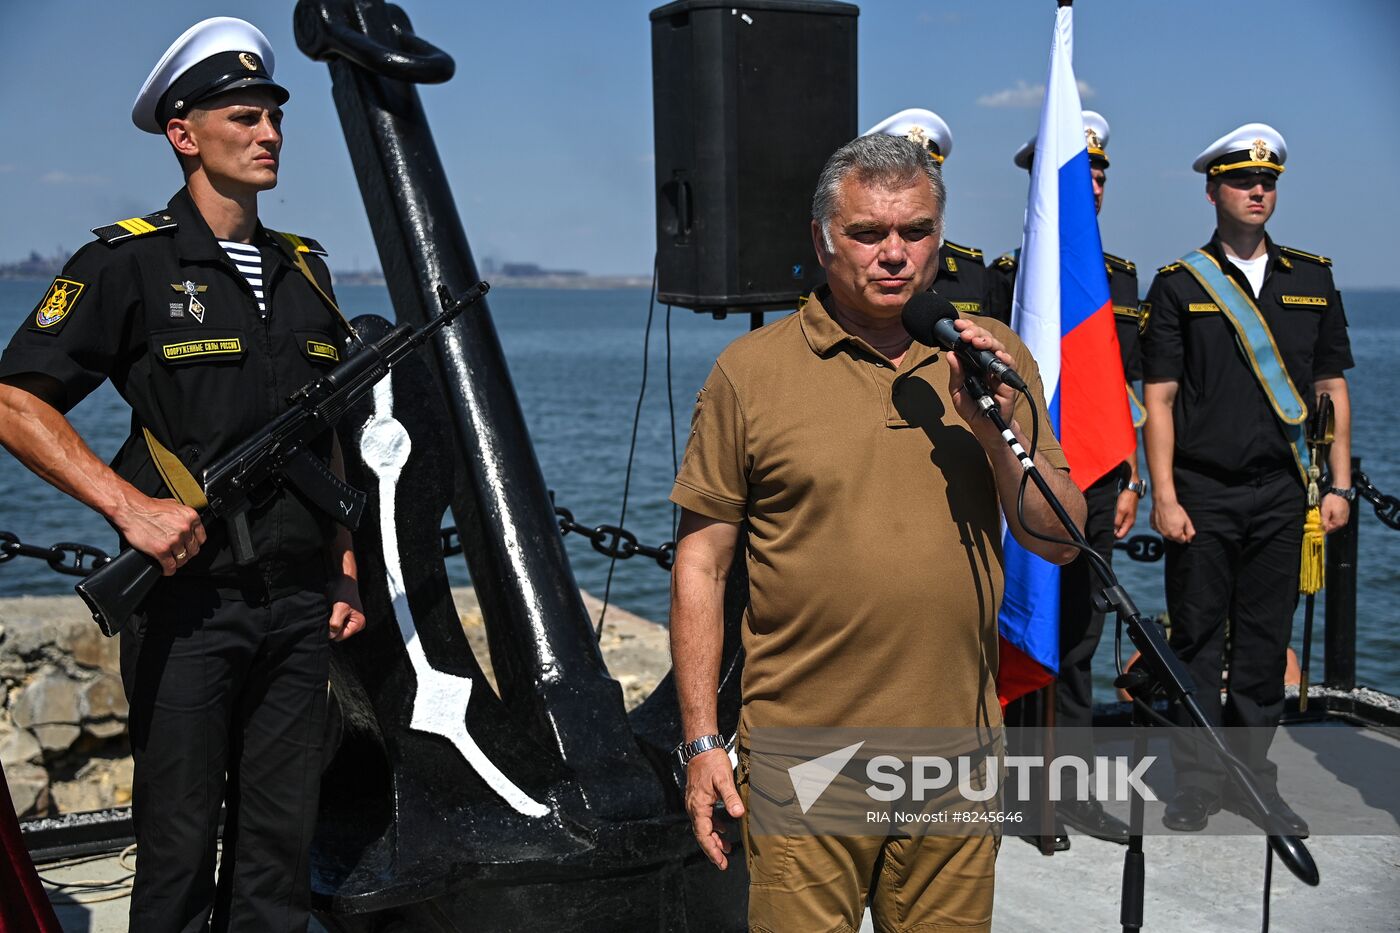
{"type": "Point", "coordinates": [688, 750]}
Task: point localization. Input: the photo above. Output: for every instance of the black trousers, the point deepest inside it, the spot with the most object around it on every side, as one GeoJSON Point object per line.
{"type": "Point", "coordinates": [1241, 566]}
{"type": "Point", "coordinates": [1081, 625]}
{"type": "Point", "coordinates": [228, 703]}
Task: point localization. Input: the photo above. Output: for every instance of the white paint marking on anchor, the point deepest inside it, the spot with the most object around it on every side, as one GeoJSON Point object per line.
{"type": "Point", "coordinates": [440, 703]}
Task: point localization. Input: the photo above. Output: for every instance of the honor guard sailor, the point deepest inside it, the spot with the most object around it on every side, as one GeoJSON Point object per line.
{"type": "Point", "coordinates": [1242, 336]}
{"type": "Point", "coordinates": [205, 321]}
{"type": "Point", "coordinates": [1112, 499]}
{"type": "Point", "coordinates": [962, 270]}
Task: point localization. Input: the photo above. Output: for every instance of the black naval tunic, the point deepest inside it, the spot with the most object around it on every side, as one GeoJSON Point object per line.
{"type": "Point", "coordinates": [1236, 478]}
{"type": "Point", "coordinates": [225, 670]}
{"type": "Point", "coordinates": [962, 277]}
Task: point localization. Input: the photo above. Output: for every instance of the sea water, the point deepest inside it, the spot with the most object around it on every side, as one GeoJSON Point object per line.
{"type": "Point", "coordinates": [576, 358]}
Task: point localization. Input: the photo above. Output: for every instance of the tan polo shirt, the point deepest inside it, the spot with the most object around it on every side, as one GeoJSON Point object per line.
{"type": "Point", "coordinates": [874, 550]}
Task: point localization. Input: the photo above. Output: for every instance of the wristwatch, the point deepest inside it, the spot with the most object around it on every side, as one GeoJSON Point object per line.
{"type": "Point", "coordinates": [1348, 494]}
{"type": "Point", "coordinates": [1140, 487]}
{"type": "Point", "coordinates": [688, 750]}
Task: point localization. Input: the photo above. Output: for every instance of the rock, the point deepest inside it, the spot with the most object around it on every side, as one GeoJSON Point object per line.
{"type": "Point", "coordinates": [48, 707]}
{"type": "Point", "coordinates": [102, 704]}
{"type": "Point", "coordinates": [57, 738]}
{"type": "Point", "coordinates": [90, 648]}
{"type": "Point", "coordinates": [29, 789]}
{"type": "Point", "coordinates": [77, 796]}
{"type": "Point", "coordinates": [18, 747]}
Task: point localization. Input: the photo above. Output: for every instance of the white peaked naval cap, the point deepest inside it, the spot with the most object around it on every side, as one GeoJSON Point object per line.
{"type": "Point", "coordinates": [1095, 137]}
{"type": "Point", "coordinates": [213, 56]}
{"type": "Point", "coordinates": [1255, 148]}
{"type": "Point", "coordinates": [924, 127]}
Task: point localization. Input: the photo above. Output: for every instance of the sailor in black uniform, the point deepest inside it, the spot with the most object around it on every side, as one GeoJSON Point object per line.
{"type": "Point", "coordinates": [1228, 472]}
{"type": "Point", "coordinates": [962, 271]}
{"type": "Point", "coordinates": [1112, 499]}
{"type": "Point", "coordinates": [205, 321]}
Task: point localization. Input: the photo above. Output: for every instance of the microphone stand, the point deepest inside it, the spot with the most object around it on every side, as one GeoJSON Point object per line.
{"type": "Point", "coordinates": [1164, 667]}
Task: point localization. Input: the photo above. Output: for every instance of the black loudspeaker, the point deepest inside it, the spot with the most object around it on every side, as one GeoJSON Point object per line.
{"type": "Point", "coordinates": [751, 99]}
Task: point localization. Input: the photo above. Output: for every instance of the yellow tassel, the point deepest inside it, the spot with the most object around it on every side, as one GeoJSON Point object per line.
{"type": "Point", "coordinates": [1310, 572]}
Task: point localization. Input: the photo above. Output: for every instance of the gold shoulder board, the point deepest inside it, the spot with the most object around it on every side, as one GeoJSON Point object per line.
{"type": "Point", "coordinates": [302, 244]}
{"type": "Point", "coordinates": [1120, 262]}
{"type": "Point", "coordinates": [972, 251]}
{"type": "Point", "coordinates": [134, 227]}
{"type": "Point", "coordinates": [1320, 260]}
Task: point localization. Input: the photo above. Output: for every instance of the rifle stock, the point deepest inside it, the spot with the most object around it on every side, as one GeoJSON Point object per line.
{"type": "Point", "coordinates": [116, 589]}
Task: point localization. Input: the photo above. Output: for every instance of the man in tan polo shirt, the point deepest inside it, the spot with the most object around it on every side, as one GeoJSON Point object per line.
{"type": "Point", "coordinates": [873, 493]}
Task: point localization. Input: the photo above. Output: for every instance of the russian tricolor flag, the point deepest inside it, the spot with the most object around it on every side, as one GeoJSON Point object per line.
{"type": "Point", "coordinates": [1064, 314]}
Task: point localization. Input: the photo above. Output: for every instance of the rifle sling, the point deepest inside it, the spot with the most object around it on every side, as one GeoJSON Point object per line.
{"type": "Point", "coordinates": [178, 478]}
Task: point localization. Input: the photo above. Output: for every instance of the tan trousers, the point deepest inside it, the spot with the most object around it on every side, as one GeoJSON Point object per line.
{"type": "Point", "coordinates": [814, 884]}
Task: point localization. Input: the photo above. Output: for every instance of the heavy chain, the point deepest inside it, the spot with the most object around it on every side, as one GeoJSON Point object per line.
{"type": "Point", "coordinates": [64, 557]}
{"type": "Point", "coordinates": [1387, 507]}
{"type": "Point", "coordinates": [615, 541]}
{"type": "Point", "coordinates": [1145, 548]}
{"type": "Point", "coordinates": [608, 540]}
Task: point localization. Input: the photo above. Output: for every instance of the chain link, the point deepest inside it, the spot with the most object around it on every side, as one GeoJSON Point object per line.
{"type": "Point", "coordinates": [615, 541]}
{"type": "Point", "coordinates": [65, 557]}
{"type": "Point", "coordinates": [78, 560]}
{"type": "Point", "coordinates": [1387, 507]}
{"type": "Point", "coordinates": [609, 540]}
{"type": "Point", "coordinates": [1145, 548]}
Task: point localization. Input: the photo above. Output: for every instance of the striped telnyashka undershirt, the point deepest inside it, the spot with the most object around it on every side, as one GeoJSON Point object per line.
{"type": "Point", "coordinates": [248, 261]}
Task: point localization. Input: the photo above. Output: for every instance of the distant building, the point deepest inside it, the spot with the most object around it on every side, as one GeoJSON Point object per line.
{"type": "Point", "coordinates": [531, 270]}
{"type": "Point", "coordinates": [35, 266]}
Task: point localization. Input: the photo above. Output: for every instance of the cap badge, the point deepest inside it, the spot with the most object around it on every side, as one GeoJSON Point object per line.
{"type": "Point", "coordinates": [1092, 138]}
{"type": "Point", "coordinates": [917, 134]}
{"type": "Point", "coordinates": [248, 60]}
{"type": "Point", "coordinates": [196, 307]}
{"type": "Point", "coordinates": [1259, 151]}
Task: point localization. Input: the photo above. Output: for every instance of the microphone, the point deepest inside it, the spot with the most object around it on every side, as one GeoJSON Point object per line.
{"type": "Point", "coordinates": [929, 317]}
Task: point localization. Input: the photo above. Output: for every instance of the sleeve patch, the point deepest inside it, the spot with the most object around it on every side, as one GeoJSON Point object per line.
{"type": "Point", "coordinates": [57, 304]}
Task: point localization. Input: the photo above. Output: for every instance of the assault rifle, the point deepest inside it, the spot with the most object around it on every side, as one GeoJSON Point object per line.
{"type": "Point", "coordinates": [250, 473]}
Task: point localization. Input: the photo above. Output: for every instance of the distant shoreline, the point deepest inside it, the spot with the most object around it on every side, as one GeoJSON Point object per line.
{"type": "Point", "coordinates": [576, 282]}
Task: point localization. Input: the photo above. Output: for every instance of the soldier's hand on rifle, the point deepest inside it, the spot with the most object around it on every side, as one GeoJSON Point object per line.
{"type": "Point", "coordinates": [164, 529]}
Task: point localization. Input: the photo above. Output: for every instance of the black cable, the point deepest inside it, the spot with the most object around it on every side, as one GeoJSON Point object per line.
{"type": "Point", "coordinates": [1025, 479]}
{"type": "Point", "coordinates": [1224, 754]}
{"type": "Point", "coordinates": [671, 407]}
{"type": "Point", "coordinates": [631, 447]}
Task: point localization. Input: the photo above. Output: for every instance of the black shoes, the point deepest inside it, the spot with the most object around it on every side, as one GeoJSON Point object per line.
{"type": "Point", "coordinates": [1190, 810]}
{"type": "Point", "coordinates": [1089, 817]}
{"type": "Point", "coordinates": [1281, 819]}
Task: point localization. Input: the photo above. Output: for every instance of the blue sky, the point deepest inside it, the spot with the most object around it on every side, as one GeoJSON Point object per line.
{"type": "Point", "coordinates": [547, 132]}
